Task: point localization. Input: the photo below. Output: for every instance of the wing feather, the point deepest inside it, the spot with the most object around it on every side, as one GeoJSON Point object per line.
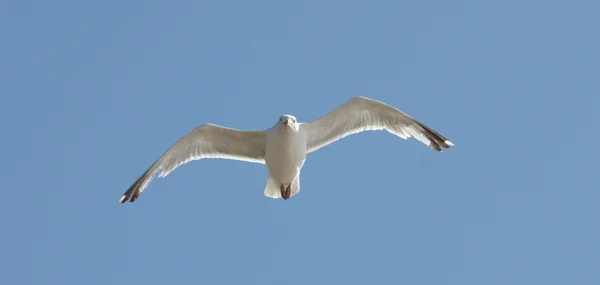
{"type": "Point", "coordinates": [364, 114]}
{"type": "Point", "coordinates": [206, 141]}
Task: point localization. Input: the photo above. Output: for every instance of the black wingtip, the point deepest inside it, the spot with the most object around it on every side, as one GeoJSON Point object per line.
{"type": "Point", "coordinates": [134, 191]}
{"type": "Point", "coordinates": [436, 141]}
{"type": "Point", "coordinates": [130, 195]}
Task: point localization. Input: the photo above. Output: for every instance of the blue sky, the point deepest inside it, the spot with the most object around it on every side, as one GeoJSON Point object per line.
{"type": "Point", "coordinates": [93, 92]}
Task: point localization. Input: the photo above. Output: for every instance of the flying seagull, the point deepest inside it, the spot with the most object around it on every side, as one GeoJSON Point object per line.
{"type": "Point", "coordinates": [284, 146]}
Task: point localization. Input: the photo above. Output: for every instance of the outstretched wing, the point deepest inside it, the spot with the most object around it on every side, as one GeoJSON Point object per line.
{"type": "Point", "coordinates": [364, 114]}
{"type": "Point", "coordinates": [206, 141]}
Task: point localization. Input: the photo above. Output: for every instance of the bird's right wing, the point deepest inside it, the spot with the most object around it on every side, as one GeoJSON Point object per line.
{"type": "Point", "coordinates": [206, 141]}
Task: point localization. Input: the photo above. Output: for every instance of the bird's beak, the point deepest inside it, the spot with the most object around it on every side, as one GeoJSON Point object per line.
{"type": "Point", "coordinates": [287, 122]}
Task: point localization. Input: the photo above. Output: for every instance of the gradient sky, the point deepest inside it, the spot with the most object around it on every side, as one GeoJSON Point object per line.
{"type": "Point", "coordinates": [94, 91]}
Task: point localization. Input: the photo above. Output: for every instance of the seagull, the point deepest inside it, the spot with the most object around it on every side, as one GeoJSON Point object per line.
{"type": "Point", "coordinates": [284, 146]}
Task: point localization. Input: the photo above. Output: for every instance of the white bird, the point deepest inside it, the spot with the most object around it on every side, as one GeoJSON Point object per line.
{"type": "Point", "coordinates": [284, 146]}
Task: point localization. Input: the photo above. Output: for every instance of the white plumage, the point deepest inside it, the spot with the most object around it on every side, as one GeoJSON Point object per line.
{"type": "Point", "coordinates": [284, 146]}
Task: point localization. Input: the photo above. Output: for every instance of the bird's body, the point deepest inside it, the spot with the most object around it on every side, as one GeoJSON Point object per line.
{"type": "Point", "coordinates": [285, 154]}
{"type": "Point", "coordinates": [284, 146]}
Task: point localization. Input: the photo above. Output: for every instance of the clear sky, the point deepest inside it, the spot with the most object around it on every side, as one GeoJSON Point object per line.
{"type": "Point", "coordinates": [92, 92]}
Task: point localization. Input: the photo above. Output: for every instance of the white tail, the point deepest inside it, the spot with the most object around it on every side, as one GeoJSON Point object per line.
{"type": "Point", "coordinates": [295, 186]}
{"type": "Point", "coordinates": [273, 188]}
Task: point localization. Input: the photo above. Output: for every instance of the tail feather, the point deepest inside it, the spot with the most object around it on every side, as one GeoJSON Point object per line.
{"type": "Point", "coordinates": [295, 187]}
{"type": "Point", "coordinates": [273, 188]}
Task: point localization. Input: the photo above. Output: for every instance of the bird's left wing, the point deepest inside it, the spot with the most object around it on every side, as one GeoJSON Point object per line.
{"type": "Point", "coordinates": [206, 141]}
{"type": "Point", "coordinates": [365, 114]}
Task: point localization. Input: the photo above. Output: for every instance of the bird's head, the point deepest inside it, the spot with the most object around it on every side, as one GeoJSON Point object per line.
{"type": "Point", "coordinates": [288, 123]}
